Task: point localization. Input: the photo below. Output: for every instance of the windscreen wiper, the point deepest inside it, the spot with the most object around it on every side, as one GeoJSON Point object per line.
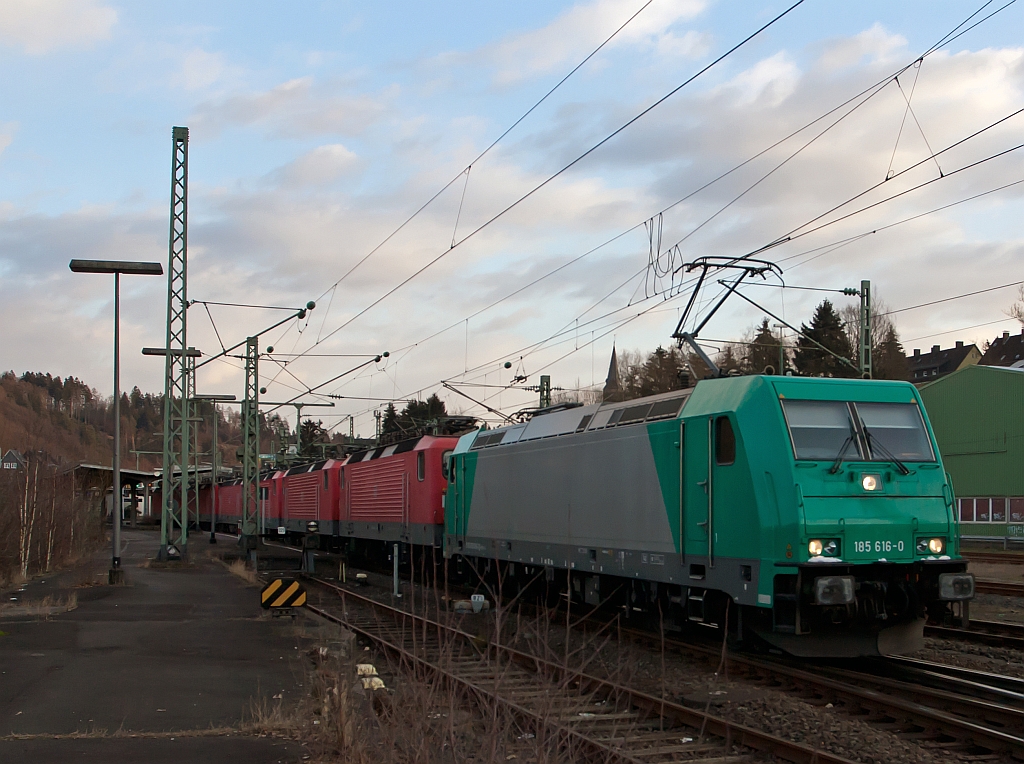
{"type": "Point", "coordinates": [839, 456]}
{"type": "Point", "coordinates": [874, 442]}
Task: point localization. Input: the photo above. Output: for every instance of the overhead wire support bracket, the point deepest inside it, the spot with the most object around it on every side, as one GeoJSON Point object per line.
{"type": "Point", "coordinates": [847, 361]}
{"type": "Point", "coordinates": [494, 411]}
{"type": "Point", "coordinates": [300, 314]}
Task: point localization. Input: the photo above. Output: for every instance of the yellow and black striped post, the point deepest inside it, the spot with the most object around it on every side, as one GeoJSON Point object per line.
{"type": "Point", "coordinates": [283, 593]}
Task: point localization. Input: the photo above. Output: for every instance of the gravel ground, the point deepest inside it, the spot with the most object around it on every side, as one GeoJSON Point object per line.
{"type": "Point", "coordinates": [694, 682]}
{"type": "Point", "coordinates": [997, 660]}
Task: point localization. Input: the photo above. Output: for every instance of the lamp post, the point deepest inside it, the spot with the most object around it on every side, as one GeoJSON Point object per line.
{"type": "Point", "coordinates": [131, 268]}
{"type": "Point", "coordinates": [216, 461]}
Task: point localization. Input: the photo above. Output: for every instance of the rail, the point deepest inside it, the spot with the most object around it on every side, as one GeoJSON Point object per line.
{"type": "Point", "coordinates": [629, 725]}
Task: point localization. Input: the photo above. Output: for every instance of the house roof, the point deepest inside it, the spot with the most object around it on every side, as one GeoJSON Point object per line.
{"type": "Point", "coordinates": [1007, 350]}
{"type": "Point", "coordinates": [938, 362]}
{"type": "Point", "coordinates": [13, 460]}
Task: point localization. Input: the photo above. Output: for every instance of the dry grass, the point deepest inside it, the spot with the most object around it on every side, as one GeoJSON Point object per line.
{"type": "Point", "coordinates": [422, 718]}
{"type": "Point", "coordinates": [240, 569]}
{"type": "Point", "coordinates": [48, 605]}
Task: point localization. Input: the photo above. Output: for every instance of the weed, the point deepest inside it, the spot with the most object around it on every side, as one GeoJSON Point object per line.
{"type": "Point", "coordinates": [240, 569]}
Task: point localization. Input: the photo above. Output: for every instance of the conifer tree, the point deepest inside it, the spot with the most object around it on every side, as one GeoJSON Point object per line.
{"type": "Point", "coordinates": [826, 328]}
{"type": "Point", "coordinates": [763, 351]}
{"type": "Point", "coordinates": [889, 359]}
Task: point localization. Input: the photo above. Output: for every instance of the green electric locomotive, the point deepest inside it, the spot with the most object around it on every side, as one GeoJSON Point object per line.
{"type": "Point", "coordinates": [810, 514]}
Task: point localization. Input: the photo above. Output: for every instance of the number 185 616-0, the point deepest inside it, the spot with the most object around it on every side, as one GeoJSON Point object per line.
{"type": "Point", "coordinates": [878, 546]}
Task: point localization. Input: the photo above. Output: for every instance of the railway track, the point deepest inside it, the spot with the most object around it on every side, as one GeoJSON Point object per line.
{"type": "Point", "coordinates": [1004, 588]}
{"type": "Point", "coordinates": [1004, 558]}
{"type": "Point", "coordinates": [991, 633]}
{"type": "Point", "coordinates": [590, 717]}
{"type": "Point", "coordinates": [939, 706]}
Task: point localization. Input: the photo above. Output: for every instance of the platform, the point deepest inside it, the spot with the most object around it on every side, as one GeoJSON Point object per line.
{"type": "Point", "coordinates": [165, 668]}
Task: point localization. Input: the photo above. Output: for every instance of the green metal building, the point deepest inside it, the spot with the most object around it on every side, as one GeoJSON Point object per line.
{"type": "Point", "coordinates": [977, 414]}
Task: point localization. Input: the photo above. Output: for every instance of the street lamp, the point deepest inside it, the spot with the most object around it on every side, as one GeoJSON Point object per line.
{"type": "Point", "coordinates": [216, 461]}
{"type": "Point", "coordinates": [131, 268]}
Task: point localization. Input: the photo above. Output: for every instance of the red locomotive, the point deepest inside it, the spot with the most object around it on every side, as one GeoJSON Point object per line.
{"type": "Point", "coordinates": [392, 493]}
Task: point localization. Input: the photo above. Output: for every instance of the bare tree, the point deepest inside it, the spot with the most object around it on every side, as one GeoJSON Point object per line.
{"type": "Point", "coordinates": [1017, 309]}
{"type": "Point", "coordinates": [881, 323]}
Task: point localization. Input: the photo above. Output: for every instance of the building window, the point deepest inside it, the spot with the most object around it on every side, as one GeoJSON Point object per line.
{"type": "Point", "coordinates": [999, 510]}
{"type": "Point", "coordinates": [421, 465]}
{"type": "Point", "coordinates": [981, 511]}
{"type": "Point", "coordinates": [967, 510]}
{"type": "Point", "coordinates": [1016, 510]}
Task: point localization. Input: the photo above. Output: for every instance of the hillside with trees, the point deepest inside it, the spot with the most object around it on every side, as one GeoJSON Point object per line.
{"type": "Point", "coordinates": [56, 424]}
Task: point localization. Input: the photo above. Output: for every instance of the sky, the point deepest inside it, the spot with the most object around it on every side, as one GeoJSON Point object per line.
{"type": "Point", "coordinates": [318, 128]}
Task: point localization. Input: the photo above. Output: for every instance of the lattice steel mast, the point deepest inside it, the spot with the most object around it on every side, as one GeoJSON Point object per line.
{"type": "Point", "coordinates": [866, 368]}
{"type": "Point", "coordinates": [251, 445]}
{"type": "Point", "coordinates": [177, 383]}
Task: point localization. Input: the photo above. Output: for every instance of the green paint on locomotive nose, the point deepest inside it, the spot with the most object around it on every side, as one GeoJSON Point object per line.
{"type": "Point", "coordinates": [768, 502]}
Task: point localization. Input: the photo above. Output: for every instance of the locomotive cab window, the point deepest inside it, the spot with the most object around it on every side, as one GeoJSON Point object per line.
{"type": "Point", "coordinates": [446, 461]}
{"type": "Point", "coordinates": [725, 442]}
{"type": "Point", "coordinates": [896, 428]}
{"type": "Point", "coordinates": [421, 465]}
{"type": "Point", "coordinates": [821, 429]}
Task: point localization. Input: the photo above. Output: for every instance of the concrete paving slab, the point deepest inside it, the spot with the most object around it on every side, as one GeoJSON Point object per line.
{"type": "Point", "coordinates": [177, 648]}
{"type": "Point", "coordinates": [180, 750]}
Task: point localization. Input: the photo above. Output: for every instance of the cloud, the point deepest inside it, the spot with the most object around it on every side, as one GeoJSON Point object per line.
{"type": "Point", "coordinates": [294, 108]}
{"type": "Point", "coordinates": [41, 26]}
{"type": "Point", "coordinates": [285, 237]}
{"type": "Point", "coordinates": [7, 130]}
{"type": "Point", "coordinates": [577, 31]}
{"type": "Point", "coordinates": [319, 167]}
{"type": "Point", "coordinates": [874, 44]}
{"type": "Point", "coordinates": [772, 80]}
{"type": "Point", "coordinates": [199, 69]}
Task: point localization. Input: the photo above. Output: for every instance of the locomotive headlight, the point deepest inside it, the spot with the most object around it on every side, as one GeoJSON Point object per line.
{"type": "Point", "coordinates": [823, 547]}
{"type": "Point", "coordinates": [870, 482]}
{"type": "Point", "coordinates": [931, 546]}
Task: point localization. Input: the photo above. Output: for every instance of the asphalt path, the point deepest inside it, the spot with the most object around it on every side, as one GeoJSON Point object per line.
{"type": "Point", "coordinates": [165, 668]}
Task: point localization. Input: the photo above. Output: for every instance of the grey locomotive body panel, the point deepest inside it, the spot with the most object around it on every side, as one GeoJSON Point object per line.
{"type": "Point", "coordinates": [591, 489]}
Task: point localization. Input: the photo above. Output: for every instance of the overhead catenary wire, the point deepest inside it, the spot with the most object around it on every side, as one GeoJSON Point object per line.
{"type": "Point", "coordinates": [874, 87]}
{"type": "Point", "coordinates": [487, 150]}
{"type": "Point", "coordinates": [467, 370]}
{"type": "Point", "coordinates": [490, 221]}
{"type": "Point", "coordinates": [953, 34]}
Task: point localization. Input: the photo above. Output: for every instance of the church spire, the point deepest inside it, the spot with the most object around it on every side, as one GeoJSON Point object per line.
{"type": "Point", "coordinates": [612, 388]}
